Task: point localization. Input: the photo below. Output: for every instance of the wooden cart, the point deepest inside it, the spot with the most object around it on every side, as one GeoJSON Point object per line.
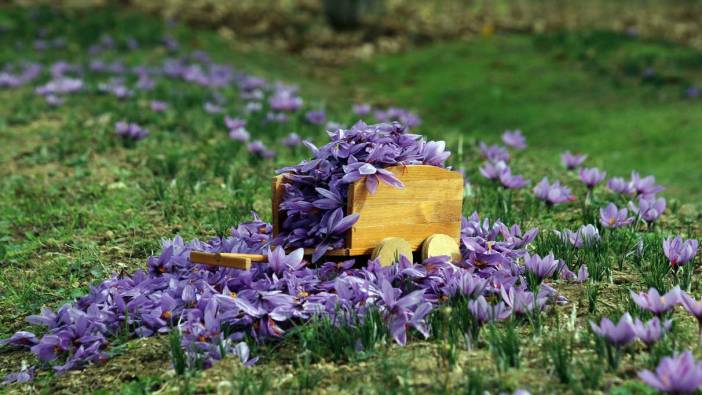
{"type": "Point", "coordinates": [425, 214]}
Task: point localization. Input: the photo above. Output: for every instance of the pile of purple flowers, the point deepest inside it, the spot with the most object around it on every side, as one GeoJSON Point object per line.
{"type": "Point", "coordinates": [201, 301]}
{"type": "Point", "coordinates": [316, 190]}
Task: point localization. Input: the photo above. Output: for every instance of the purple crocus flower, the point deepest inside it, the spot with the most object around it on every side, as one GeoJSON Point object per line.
{"type": "Point", "coordinates": [541, 268]}
{"type": "Point", "coordinates": [679, 374]}
{"type": "Point", "coordinates": [586, 236]}
{"type": "Point", "coordinates": [399, 313]}
{"type": "Point", "coordinates": [552, 194]}
{"type": "Point", "coordinates": [279, 262]}
{"type": "Point", "coordinates": [612, 217]}
{"type": "Point", "coordinates": [655, 303]}
{"type": "Point", "coordinates": [650, 208]}
{"type": "Point", "coordinates": [361, 109]}
{"type": "Point", "coordinates": [651, 331]}
{"type": "Point", "coordinates": [131, 131]}
{"type": "Point", "coordinates": [493, 170]}
{"type": "Point", "coordinates": [21, 339]}
{"type": "Point", "coordinates": [572, 161]}
{"type": "Point", "coordinates": [240, 134]}
{"type": "Point", "coordinates": [26, 375]}
{"type": "Point", "coordinates": [485, 312]}
{"type": "Point", "coordinates": [292, 140]}
{"type": "Point", "coordinates": [591, 177]}
{"type": "Point", "coordinates": [258, 148]}
{"type": "Point", "coordinates": [510, 181]}
{"type": "Point", "coordinates": [693, 307]}
{"type": "Point", "coordinates": [679, 251]}
{"type": "Point", "coordinates": [619, 335]}
{"type": "Point", "coordinates": [619, 185]}
{"type": "Point", "coordinates": [317, 117]}
{"type": "Point", "coordinates": [514, 139]}
{"type": "Point", "coordinates": [158, 106]}
{"type": "Point", "coordinates": [644, 186]}
{"type": "Point", "coordinates": [357, 170]}
{"type": "Point", "coordinates": [494, 153]}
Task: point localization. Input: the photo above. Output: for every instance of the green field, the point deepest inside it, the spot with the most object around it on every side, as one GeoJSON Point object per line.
{"type": "Point", "coordinates": [77, 204]}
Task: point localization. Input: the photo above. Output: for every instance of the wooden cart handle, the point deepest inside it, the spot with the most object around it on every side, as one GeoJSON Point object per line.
{"type": "Point", "coordinates": [237, 261]}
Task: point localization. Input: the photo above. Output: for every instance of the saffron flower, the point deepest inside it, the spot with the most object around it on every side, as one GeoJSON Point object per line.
{"type": "Point", "coordinates": [484, 312]}
{"type": "Point", "coordinates": [130, 130]}
{"type": "Point", "coordinates": [258, 148]}
{"type": "Point", "coordinates": [652, 330]}
{"type": "Point", "coordinates": [572, 161]}
{"type": "Point", "coordinates": [493, 170]}
{"type": "Point", "coordinates": [679, 374]}
{"type": "Point", "coordinates": [158, 106]}
{"type": "Point", "coordinates": [317, 117]}
{"type": "Point", "coordinates": [514, 139]}
{"type": "Point", "coordinates": [591, 176]}
{"type": "Point", "coordinates": [612, 217]}
{"type": "Point", "coordinates": [510, 181]}
{"type": "Point", "coordinates": [494, 153]}
{"type": "Point", "coordinates": [619, 335]}
{"type": "Point", "coordinates": [292, 140]}
{"type": "Point", "coordinates": [554, 193]}
{"type": "Point", "coordinates": [679, 251]}
{"type": "Point", "coordinates": [361, 109]}
{"type": "Point", "coordinates": [649, 208]}
{"type": "Point", "coordinates": [585, 236]}
{"type": "Point", "coordinates": [619, 185]}
{"type": "Point", "coordinates": [693, 307]}
{"type": "Point", "coordinates": [541, 268]}
{"type": "Point", "coordinates": [644, 186]}
{"type": "Point", "coordinates": [656, 303]}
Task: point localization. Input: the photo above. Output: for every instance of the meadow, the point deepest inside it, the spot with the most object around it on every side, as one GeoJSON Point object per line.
{"type": "Point", "coordinates": [86, 195]}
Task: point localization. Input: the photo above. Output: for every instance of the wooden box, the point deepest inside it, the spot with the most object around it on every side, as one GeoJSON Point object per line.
{"type": "Point", "coordinates": [431, 202]}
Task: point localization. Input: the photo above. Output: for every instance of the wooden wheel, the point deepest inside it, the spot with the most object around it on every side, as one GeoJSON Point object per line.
{"type": "Point", "coordinates": [390, 249]}
{"type": "Point", "coordinates": [440, 244]}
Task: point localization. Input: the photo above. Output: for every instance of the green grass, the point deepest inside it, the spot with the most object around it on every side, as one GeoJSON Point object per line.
{"type": "Point", "coordinates": [581, 92]}
{"type": "Point", "coordinates": [76, 204]}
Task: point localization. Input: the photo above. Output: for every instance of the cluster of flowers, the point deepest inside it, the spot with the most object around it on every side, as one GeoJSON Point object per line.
{"type": "Point", "coordinates": [677, 374]}
{"type": "Point", "coordinates": [496, 158]}
{"type": "Point", "coordinates": [215, 309]}
{"type": "Point", "coordinates": [316, 190]}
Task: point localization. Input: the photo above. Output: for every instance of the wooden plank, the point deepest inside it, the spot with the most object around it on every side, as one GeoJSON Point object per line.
{"type": "Point", "coordinates": [431, 202]}
{"type": "Point", "coordinates": [368, 237]}
{"type": "Point", "coordinates": [237, 261]}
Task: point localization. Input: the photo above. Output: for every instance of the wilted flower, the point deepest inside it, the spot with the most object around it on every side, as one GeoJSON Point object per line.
{"type": "Point", "coordinates": [25, 375]}
{"type": "Point", "coordinates": [679, 251]}
{"type": "Point", "coordinates": [654, 302]}
{"type": "Point", "coordinates": [679, 374]}
{"type": "Point", "coordinates": [554, 193]}
{"type": "Point", "coordinates": [591, 177]}
{"type": "Point", "coordinates": [619, 335]}
{"type": "Point", "coordinates": [514, 139]}
{"type": "Point", "coordinates": [611, 217]}
{"type": "Point", "coordinates": [572, 161]}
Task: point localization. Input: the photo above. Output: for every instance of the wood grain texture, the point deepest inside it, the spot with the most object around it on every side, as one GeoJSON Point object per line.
{"type": "Point", "coordinates": [237, 261]}
{"type": "Point", "coordinates": [431, 202]}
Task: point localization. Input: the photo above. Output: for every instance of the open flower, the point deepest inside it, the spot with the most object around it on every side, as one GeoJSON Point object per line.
{"type": "Point", "coordinates": [650, 208]}
{"type": "Point", "coordinates": [652, 330]}
{"type": "Point", "coordinates": [514, 139]}
{"type": "Point", "coordinates": [619, 335]}
{"type": "Point", "coordinates": [679, 374]}
{"type": "Point", "coordinates": [591, 176]}
{"type": "Point", "coordinates": [554, 193]}
{"type": "Point", "coordinates": [541, 267]}
{"type": "Point", "coordinates": [494, 153]}
{"type": "Point", "coordinates": [611, 217]}
{"type": "Point", "coordinates": [572, 161]}
{"type": "Point", "coordinates": [679, 251]}
{"type": "Point", "coordinates": [586, 236]}
{"type": "Point", "coordinates": [619, 185]}
{"type": "Point", "coordinates": [656, 303]}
